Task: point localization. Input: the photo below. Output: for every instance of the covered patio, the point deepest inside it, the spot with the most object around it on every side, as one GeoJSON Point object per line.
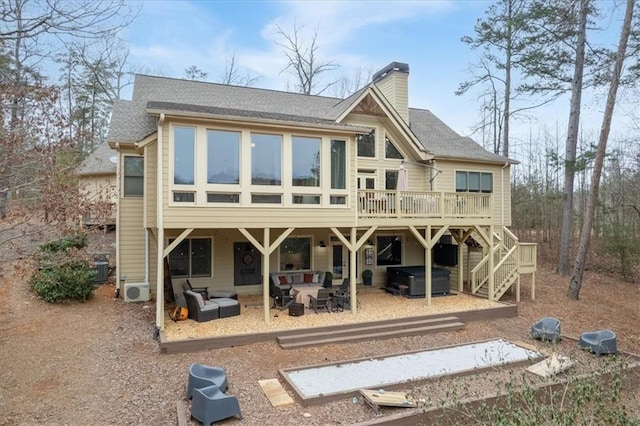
{"type": "Point", "coordinates": [375, 306]}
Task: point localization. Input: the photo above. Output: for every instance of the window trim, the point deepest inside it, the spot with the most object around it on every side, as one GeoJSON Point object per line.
{"type": "Point", "coordinates": [311, 253]}
{"type": "Point", "coordinates": [376, 130]}
{"type": "Point", "coordinates": [481, 174]}
{"type": "Point", "coordinates": [190, 276]}
{"type": "Point", "coordinates": [402, 248]}
{"type": "Point", "coordinates": [124, 176]}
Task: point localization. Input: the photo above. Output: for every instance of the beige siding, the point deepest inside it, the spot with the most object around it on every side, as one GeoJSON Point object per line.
{"type": "Point", "coordinates": [99, 194]}
{"type": "Point", "coordinates": [445, 181]}
{"type": "Point", "coordinates": [395, 88]}
{"type": "Point", "coordinates": [131, 253]}
{"type": "Point", "coordinates": [150, 190]}
{"type": "Point", "coordinates": [223, 257]}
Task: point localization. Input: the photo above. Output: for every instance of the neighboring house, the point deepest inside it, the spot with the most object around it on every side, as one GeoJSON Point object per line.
{"type": "Point", "coordinates": [233, 183]}
{"type": "Point", "coordinates": [97, 185]}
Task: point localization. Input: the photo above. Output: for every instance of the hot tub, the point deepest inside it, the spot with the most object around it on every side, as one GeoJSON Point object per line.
{"type": "Point", "coordinates": [413, 277]}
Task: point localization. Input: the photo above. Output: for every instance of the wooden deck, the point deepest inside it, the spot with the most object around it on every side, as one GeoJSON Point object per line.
{"type": "Point", "coordinates": [208, 335]}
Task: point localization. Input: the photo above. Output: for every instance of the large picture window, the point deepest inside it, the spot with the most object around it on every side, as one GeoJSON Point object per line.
{"type": "Point", "coordinates": [266, 159]}
{"type": "Point", "coordinates": [367, 144]}
{"type": "Point", "coordinates": [338, 164]}
{"type": "Point", "coordinates": [223, 157]}
{"type": "Point", "coordinates": [389, 250]}
{"type": "Point", "coordinates": [191, 258]}
{"type": "Point", "coordinates": [295, 254]}
{"type": "Point", "coordinates": [133, 180]}
{"type": "Point", "coordinates": [184, 140]}
{"type": "Point", "coordinates": [474, 182]}
{"type": "Point", "coordinates": [306, 161]}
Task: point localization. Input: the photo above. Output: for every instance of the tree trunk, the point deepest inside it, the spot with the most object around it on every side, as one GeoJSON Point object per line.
{"type": "Point", "coordinates": [585, 235]}
{"type": "Point", "coordinates": [507, 80]}
{"type": "Point", "coordinates": [572, 142]}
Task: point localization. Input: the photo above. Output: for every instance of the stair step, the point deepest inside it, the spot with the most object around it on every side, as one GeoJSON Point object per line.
{"type": "Point", "coordinates": [365, 328]}
{"type": "Point", "coordinates": [413, 331]}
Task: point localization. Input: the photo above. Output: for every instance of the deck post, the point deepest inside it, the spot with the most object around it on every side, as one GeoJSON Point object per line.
{"type": "Point", "coordinates": [265, 274]}
{"type": "Point", "coordinates": [492, 262]}
{"type": "Point", "coordinates": [352, 271]}
{"type": "Point", "coordinates": [427, 266]}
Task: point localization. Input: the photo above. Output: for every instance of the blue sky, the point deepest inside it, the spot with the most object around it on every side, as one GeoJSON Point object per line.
{"type": "Point", "coordinates": [168, 36]}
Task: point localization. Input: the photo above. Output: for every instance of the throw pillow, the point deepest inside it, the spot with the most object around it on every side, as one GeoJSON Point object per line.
{"type": "Point", "coordinates": [297, 278]}
{"type": "Point", "coordinates": [283, 279]}
{"type": "Point", "coordinates": [308, 278]}
{"type": "Point", "coordinates": [200, 300]}
{"type": "Point", "coordinates": [274, 280]}
{"type": "Point", "coordinates": [315, 277]}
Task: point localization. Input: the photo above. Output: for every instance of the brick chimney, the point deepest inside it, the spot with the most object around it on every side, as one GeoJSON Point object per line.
{"type": "Point", "coordinates": [393, 81]}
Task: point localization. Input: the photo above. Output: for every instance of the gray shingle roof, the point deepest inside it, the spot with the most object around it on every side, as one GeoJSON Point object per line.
{"type": "Point", "coordinates": [441, 141]}
{"type": "Point", "coordinates": [130, 121]}
{"type": "Point", "coordinates": [98, 162]}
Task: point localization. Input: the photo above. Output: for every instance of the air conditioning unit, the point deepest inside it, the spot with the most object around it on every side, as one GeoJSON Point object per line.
{"type": "Point", "coordinates": [136, 292]}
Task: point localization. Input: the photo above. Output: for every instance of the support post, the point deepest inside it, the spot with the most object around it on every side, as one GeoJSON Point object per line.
{"type": "Point", "coordinates": [352, 271]}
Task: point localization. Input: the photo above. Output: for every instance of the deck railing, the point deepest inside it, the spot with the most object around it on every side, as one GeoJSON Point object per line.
{"type": "Point", "coordinates": [414, 204]}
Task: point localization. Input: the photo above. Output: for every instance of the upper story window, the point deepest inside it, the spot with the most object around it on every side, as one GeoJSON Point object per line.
{"type": "Point", "coordinates": [390, 150]}
{"type": "Point", "coordinates": [184, 145]}
{"type": "Point", "coordinates": [223, 157]}
{"type": "Point", "coordinates": [305, 161]}
{"type": "Point", "coordinates": [191, 258]}
{"type": "Point", "coordinates": [474, 182]}
{"type": "Point", "coordinates": [133, 181]}
{"type": "Point", "coordinates": [266, 159]}
{"type": "Point", "coordinates": [338, 164]}
{"type": "Point", "coordinates": [367, 144]}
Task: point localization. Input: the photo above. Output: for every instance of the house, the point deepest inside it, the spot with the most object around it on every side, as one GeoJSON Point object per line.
{"type": "Point", "coordinates": [230, 184]}
{"type": "Point", "coordinates": [97, 186]}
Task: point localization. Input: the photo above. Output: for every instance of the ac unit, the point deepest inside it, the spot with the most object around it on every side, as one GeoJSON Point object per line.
{"type": "Point", "coordinates": [136, 292]}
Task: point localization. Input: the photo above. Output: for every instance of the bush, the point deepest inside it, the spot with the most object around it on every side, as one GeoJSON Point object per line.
{"type": "Point", "coordinates": [72, 280]}
{"type": "Point", "coordinates": [63, 244]}
{"type": "Point", "coordinates": [62, 273]}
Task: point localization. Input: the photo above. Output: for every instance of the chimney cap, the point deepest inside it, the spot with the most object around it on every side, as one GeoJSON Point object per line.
{"type": "Point", "coordinates": [393, 66]}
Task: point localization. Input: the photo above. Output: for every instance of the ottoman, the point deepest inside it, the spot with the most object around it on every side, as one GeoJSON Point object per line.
{"type": "Point", "coordinates": [218, 294]}
{"type": "Point", "coordinates": [296, 309]}
{"type": "Point", "coordinates": [228, 307]}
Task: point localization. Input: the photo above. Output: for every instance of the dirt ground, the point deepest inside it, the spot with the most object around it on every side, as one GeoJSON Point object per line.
{"type": "Point", "coordinates": [96, 363]}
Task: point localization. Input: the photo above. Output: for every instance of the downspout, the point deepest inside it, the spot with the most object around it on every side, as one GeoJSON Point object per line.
{"type": "Point", "coordinates": [146, 255]}
{"type": "Point", "coordinates": [160, 239]}
{"type": "Point", "coordinates": [502, 193]}
{"type": "Point", "coordinates": [119, 276]}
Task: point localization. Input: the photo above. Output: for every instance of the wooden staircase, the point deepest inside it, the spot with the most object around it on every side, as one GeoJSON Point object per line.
{"type": "Point", "coordinates": [349, 333]}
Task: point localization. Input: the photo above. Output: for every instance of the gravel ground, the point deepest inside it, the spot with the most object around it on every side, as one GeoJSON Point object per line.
{"type": "Point", "coordinates": [96, 363]}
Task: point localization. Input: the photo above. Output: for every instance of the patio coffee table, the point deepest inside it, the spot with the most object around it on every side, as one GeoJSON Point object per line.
{"type": "Point", "coordinates": [302, 293]}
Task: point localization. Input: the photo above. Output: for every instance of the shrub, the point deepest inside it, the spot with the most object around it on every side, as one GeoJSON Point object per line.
{"type": "Point", "coordinates": [62, 273]}
{"type": "Point", "coordinates": [63, 244]}
{"type": "Point", "coordinates": [72, 280]}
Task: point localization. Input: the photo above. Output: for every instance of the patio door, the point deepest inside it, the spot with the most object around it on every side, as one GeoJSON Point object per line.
{"type": "Point", "coordinates": [339, 262]}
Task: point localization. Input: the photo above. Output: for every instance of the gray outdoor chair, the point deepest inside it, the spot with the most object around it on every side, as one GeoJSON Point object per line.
{"type": "Point", "coordinates": [321, 302]}
{"type": "Point", "coordinates": [599, 342]}
{"type": "Point", "coordinates": [210, 404]}
{"type": "Point", "coordinates": [202, 376]}
{"type": "Point", "coordinates": [546, 329]}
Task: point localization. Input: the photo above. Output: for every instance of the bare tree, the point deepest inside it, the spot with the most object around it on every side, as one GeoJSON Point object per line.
{"type": "Point", "coordinates": [233, 76]}
{"type": "Point", "coordinates": [303, 61]}
{"type": "Point", "coordinates": [195, 73]}
{"type": "Point", "coordinates": [575, 282]}
{"type": "Point", "coordinates": [347, 85]}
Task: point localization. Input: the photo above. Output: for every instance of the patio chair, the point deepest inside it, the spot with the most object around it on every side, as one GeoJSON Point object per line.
{"type": "Point", "coordinates": [281, 298]}
{"type": "Point", "coordinates": [599, 342]}
{"type": "Point", "coordinates": [321, 302]}
{"type": "Point", "coordinates": [210, 404]}
{"type": "Point", "coordinates": [200, 309]}
{"type": "Point", "coordinates": [204, 291]}
{"type": "Point", "coordinates": [546, 329]}
{"type": "Point", "coordinates": [201, 376]}
{"type": "Point", "coordinates": [341, 296]}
